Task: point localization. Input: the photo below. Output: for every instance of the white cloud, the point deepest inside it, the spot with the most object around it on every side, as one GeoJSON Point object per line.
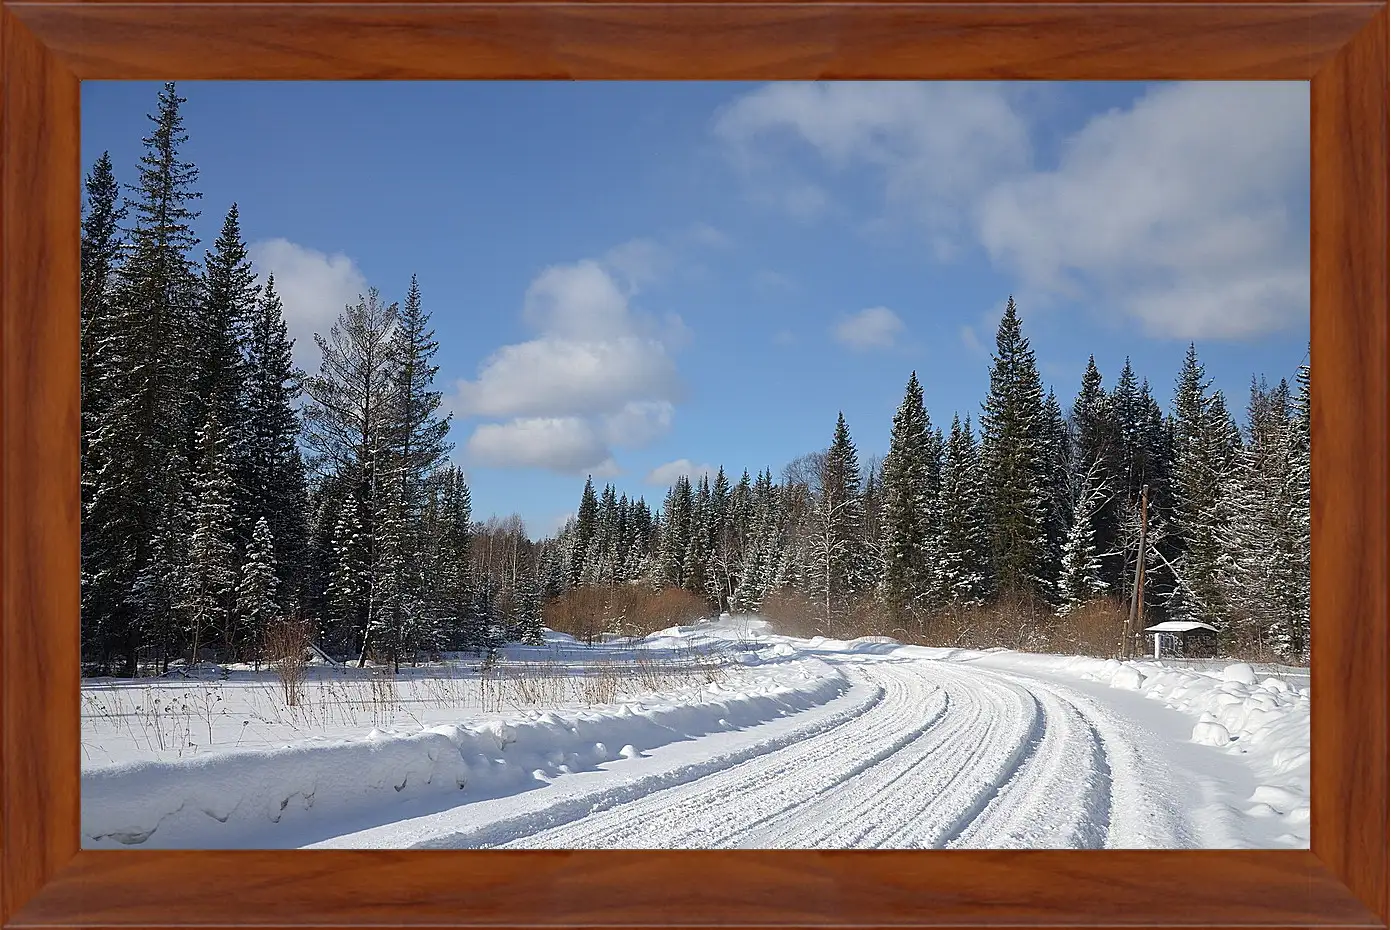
{"type": "Point", "coordinates": [578, 301]}
{"type": "Point", "coordinates": [665, 475]}
{"type": "Point", "coordinates": [1177, 210]}
{"type": "Point", "coordinates": [936, 144]}
{"type": "Point", "coordinates": [556, 376]}
{"type": "Point", "coordinates": [569, 445]}
{"type": "Point", "coordinates": [874, 328]}
{"type": "Point", "coordinates": [598, 374]}
{"type": "Point", "coordinates": [314, 288]}
{"type": "Point", "coordinates": [638, 423]}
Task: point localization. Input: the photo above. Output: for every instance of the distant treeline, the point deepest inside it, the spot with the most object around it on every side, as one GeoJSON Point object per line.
{"type": "Point", "coordinates": [1033, 507]}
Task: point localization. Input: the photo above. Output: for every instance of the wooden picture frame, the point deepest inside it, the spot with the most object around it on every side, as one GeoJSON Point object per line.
{"type": "Point", "coordinates": [48, 46]}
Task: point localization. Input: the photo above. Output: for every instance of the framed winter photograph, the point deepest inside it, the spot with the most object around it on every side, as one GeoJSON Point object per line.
{"type": "Point", "coordinates": [529, 489]}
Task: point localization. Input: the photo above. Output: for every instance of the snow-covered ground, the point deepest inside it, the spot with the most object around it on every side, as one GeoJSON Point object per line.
{"type": "Point", "coordinates": [717, 735]}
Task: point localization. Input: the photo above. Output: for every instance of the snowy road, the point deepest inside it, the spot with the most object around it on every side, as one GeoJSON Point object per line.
{"type": "Point", "coordinates": [916, 754]}
{"type": "Point", "coordinates": [796, 744]}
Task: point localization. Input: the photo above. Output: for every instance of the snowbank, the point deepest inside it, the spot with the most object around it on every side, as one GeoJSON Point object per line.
{"type": "Point", "coordinates": [1267, 721]}
{"type": "Point", "coordinates": [176, 801]}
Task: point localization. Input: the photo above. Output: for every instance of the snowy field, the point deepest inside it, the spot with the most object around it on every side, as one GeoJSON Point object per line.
{"type": "Point", "coordinates": [712, 736]}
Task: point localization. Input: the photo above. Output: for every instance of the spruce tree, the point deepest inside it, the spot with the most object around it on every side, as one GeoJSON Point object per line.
{"type": "Point", "coordinates": [1203, 454]}
{"type": "Point", "coordinates": [1300, 513]}
{"type": "Point", "coordinates": [271, 474]}
{"type": "Point", "coordinates": [161, 291]}
{"type": "Point", "coordinates": [529, 603]}
{"type": "Point", "coordinates": [449, 592]}
{"type": "Point", "coordinates": [211, 551]}
{"type": "Point", "coordinates": [160, 593]}
{"type": "Point", "coordinates": [348, 584]}
{"type": "Point", "coordinates": [1058, 492]}
{"type": "Point", "coordinates": [102, 247]}
{"type": "Point", "coordinates": [417, 429]}
{"type": "Point", "coordinates": [586, 526]}
{"type": "Point", "coordinates": [872, 530]}
{"type": "Point", "coordinates": [1083, 572]}
{"type": "Point", "coordinates": [696, 558]}
{"type": "Point", "coordinates": [1014, 462]}
{"type": "Point", "coordinates": [1269, 561]}
{"type": "Point", "coordinates": [1100, 425]}
{"type": "Point", "coordinates": [258, 604]}
{"type": "Point", "coordinates": [396, 624]}
{"type": "Point", "coordinates": [230, 302]}
{"type": "Point", "coordinates": [835, 565]}
{"type": "Point", "coordinates": [907, 508]}
{"type": "Point", "coordinates": [138, 453]}
{"type": "Point", "coordinates": [603, 565]}
{"type": "Point", "coordinates": [965, 540]}
{"type": "Point", "coordinates": [722, 577]}
{"type": "Point", "coordinates": [675, 533]}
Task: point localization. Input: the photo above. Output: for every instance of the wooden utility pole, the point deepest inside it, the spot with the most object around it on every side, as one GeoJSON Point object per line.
{"type": "Point", "coordinates": [1137, 593]}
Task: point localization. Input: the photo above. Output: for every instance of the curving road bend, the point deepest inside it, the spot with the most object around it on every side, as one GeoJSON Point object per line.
{"type": "Point", "coordinates": [916, 754]}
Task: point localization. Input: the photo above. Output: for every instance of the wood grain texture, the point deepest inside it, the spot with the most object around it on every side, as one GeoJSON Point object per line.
{"type": "Point", "coordinates": [39, 214]}
{"type": "Point", "coordinates": [1349, 470]}
{"type": "Point", "coordinates": [388, 41]}
{"type": "Point", "coordinates": [47, 46]}
{"type": "Point", "coordinates": [696, 888]}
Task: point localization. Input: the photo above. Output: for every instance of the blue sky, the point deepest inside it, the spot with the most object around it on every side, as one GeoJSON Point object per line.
{"type": "Point", "coordinates": [638, 279]}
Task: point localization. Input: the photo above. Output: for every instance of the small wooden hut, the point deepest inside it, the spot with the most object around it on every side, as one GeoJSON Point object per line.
{"type": "Point", "coordinates": [1184, 633]}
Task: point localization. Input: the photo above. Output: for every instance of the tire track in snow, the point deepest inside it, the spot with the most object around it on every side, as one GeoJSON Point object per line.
{"type": "Point", "coordinates": [1132, 805]}
{"type": "Point", "coordinates": [589, 804]}
{"type": "Point", "coordinates": [705, 814]}
{"type": "Point", "coordinates": [946, 756]}
{"type": "Point", "coordinates": [936, 776]}
{"type": "Point", "coordinates": [1057, 797]}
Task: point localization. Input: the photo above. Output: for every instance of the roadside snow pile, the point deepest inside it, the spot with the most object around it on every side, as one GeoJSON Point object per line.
{"type": "Point", "coordinates": [1267, 721]}
{"type": "Point", "coordinates": [1209, 732]}
{"type": "Point", "coordinates": [175, 802]}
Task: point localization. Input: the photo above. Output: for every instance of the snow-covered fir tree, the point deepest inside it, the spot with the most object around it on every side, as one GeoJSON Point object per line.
{"type": "Point", "coordinates": [965, 545]}
{"type": "Point", "coordinates": [349, 586]}
{"type": "Point", "coordinates": [212, 568]}
{"type": "Point", "coordinates": [1204, 451]}
{"type": "Point", "coordinates": [102, 248]}
{"type": "Point", "coordinates": [1058, 487]}
{"type": "Point", "coordinates": [909, 509]}
{"type": "Point", "coordinates": [272, 484]}
{"type": "Point", "coordinates": [1097, 473]}
{"type": "Point", "coordinates": [1083, 577]}
{"type": "Point", "coordinates": [222, 327]}
{"type": "Point", "coordinates": [835, 556]}
{"type": "Point", "coordinates": [586, 525]}
{"type": "Point", "coordinates": [1268, 592]}
{"type": "Point", "coordinates": [139, 453]}
{"type": "Point", "coordinates": [1015, 480]}
{"type": "Point", "coordinates": [258, 601]}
